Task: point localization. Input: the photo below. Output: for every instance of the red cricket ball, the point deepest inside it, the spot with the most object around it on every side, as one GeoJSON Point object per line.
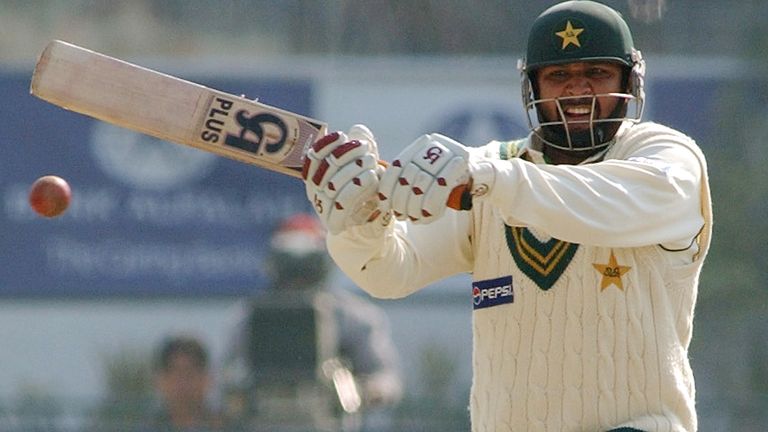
{"type": "Point", "coordinates": [50, 196]}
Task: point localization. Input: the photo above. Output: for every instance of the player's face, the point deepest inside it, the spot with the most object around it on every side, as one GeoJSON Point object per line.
{"type": "Point", "coordinates": [576, 84]}
{"type": "Point", "coordinates": [184, 383]}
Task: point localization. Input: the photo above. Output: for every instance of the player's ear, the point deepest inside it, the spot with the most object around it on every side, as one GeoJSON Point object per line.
{"type": "Point", "coordinates": [533, 78]}
{"type": "Point", "coordinates": [626, 82]}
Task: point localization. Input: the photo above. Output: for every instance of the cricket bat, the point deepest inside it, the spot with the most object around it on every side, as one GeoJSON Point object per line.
{"type": "Point", "coordinates": [173, 109]}
{"type": "Point", "coordinates": [179, 111]}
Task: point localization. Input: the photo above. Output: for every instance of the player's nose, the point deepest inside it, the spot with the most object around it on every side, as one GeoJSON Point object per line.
{"type": "Point", "coordinates": [578, 85]}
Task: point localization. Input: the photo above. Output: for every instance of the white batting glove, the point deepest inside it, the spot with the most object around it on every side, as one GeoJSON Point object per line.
{"type": "Point", "coordinates": [341, 177]}
{"type": "Point", "coordinates": [419, 182]}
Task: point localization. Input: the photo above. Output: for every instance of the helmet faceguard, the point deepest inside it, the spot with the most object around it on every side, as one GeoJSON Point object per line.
{"type": "Point", "coordinates": [581, 31]}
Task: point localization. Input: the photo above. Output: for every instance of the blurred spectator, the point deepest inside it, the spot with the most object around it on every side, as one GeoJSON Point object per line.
{"type": "Point", "coordinates": [183, 382]}
{"type": "Point", "coordinates": [359, 346]}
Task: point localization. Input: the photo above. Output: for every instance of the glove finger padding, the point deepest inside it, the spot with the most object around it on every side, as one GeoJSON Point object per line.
{"type": "Point", "coordinates": [355, 202]}
{"type": "Point", "coordinates": [341, 176]}
{"type": "Point", "coordinates": [418, 183]}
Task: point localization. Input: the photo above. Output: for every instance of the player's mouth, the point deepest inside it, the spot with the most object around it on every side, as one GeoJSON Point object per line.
{"type": "Point", "coordinates": [576, 111]}
{"type": "Point", "coordinates": [579, 112]}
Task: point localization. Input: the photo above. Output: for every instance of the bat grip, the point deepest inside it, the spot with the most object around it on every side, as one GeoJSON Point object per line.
{"type": "Point", "coordinates": [458, 199]}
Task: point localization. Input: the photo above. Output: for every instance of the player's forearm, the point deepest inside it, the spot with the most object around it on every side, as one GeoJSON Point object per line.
{"type": "Point", "coordinates": [355, 249]}
{"type": "Point", "coordinates": [613, 203]}
{"type": "Point", "coordinates": [402, 258]}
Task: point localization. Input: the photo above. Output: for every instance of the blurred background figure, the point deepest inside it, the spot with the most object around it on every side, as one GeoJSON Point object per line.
{"type": "Point", "coordinates": [647, 11]}
{"type": "Point", "coordinates": [306, 340]}
{"type": "Point", "coordinates": [183, 381]}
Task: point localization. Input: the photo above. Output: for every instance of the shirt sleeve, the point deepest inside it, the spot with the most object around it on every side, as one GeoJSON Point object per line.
{"type": "Point", "coordinates": [648, 192]}
{"type": "Point", "coordinates": [398, 259]}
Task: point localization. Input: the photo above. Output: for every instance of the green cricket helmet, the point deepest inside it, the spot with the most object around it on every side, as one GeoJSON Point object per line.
{"type": "Point", "coordinates": [581, 31]}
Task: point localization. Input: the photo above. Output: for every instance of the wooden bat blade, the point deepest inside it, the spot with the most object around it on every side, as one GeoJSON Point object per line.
{"type": "Point", "coordinates": [173, 109]}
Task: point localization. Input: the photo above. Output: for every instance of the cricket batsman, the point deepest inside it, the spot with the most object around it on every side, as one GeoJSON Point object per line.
{"type": "Point", "coordinates": [584, 239]}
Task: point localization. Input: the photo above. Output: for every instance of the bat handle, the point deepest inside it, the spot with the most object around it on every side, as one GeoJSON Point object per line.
{"type": "Point", "coordinates": [458, 199]}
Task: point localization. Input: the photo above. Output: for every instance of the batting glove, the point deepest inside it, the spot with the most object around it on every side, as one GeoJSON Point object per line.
{"type": "Point", "coordinates": [422, 180]}
{"type": "Point", "coordinates": [341, 177]}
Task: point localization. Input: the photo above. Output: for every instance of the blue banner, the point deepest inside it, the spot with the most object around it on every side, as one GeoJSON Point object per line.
{"type": "Point", "coordinates": [154, 218]}
{"type": "Point", "coordinates": [147, 217]}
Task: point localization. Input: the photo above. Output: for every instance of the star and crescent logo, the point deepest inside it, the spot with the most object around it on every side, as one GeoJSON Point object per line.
{"type": "Point", "coordinates": [612, 273]}
{"type": "Point", "coordinates": [570, 35]}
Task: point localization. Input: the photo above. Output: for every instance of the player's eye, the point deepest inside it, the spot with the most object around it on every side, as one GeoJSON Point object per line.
{"type": "Point", "coordinates": [558, 75]}
{"type": "Point", "coordinates": [598, 73]}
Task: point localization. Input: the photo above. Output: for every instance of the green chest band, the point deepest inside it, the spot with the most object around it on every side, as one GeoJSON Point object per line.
{"type": "Point", "coordinates": [543, 262]}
